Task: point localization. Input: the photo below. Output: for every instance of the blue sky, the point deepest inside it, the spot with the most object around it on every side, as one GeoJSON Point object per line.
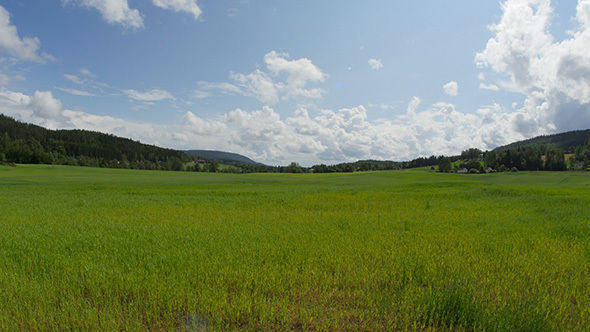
{"type": "Point", "coordinates": [305, 81]}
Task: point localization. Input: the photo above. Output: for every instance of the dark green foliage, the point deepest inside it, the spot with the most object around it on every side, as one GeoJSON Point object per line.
{"type": "Point", "coordinates": [581, 156]}
{"type": "Point", "coordinates": [30, 144]}
{"type": "Point", "coordinates": [471, 164]}
{"type": "Point", "coordinates": [445, 165]}
{"type": "Point", "coordinates": [524, 159]}
{"type": "Point", "coordinates": [471, 154]}
{"type": "Point", "coordinates": [226, 158]}
{"type": "Point", "coordinates": [555, 160]}
{"type": "Point", "coordinates": [566, 141]}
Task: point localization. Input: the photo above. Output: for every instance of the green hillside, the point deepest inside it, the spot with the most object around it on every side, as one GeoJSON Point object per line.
{"type": "Point", "coordinates": [567, 141]}
{"type": "Point", "coordinates": [31, 144]}
{"type": "Point", "coordinates": [223, 157]}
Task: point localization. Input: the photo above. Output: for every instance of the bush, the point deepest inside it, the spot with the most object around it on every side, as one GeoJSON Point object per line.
{"type": "Point", "coordinates": [514, 169]}
{"type": "Point", "coordinates": [473, 171]}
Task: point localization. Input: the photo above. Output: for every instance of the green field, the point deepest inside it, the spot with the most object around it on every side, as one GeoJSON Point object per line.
{"type": "Point", "coordinates": [109, 250]}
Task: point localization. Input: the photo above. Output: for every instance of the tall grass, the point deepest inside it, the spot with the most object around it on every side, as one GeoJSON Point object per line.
{"type": "Point", "coordinates": [95, 249]}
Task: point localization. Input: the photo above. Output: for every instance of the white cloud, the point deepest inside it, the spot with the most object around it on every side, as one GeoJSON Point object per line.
{"type": "Point", "coordinates": [375, 64]}
{"type": "Point", "coordinates": [491, 87]}
{"type": "Point", "coordinates": [44, 105]}
{"type": "Point", "coordinates": [148, 96]}
{"type": "Point", "coordinates": [554, 76]}
{"type": "Point", "coordinates": [298, 72]}
{"type": "Point", "coordinates": [451, 88]}
{"type": "Point", "coordinates": [208, 89]}
{"type": "Point", "coordinates": [285, 79]}
{"type": "Point", "coordinates": [73, 78]}
{"type": "Point", "coordinates": [114, 12]}
{"type": "Point", "coordinates": [86, 72]}
{"type": "Point", "coordinates": [77, 92]}
{"type": "Point", "coordinates": [187, 6]}
{"type": "Point", "coordinates": [411, 110]}
{"type": "Point", "coordinates": [26, 48]}
{"type": "Point", "coordinates": [259, 85]}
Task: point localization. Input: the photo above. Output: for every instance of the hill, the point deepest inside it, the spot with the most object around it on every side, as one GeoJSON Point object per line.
{"type": "Point", "coordinates": [227, 158]}
{"type": "Point", "coordinates": [567, 141]}
{"type": "Point", "coordinates": [31, 144]}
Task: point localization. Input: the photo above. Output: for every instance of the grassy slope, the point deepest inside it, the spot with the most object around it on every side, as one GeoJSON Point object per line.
{"type": "Point", "coordinates": [99, 249]}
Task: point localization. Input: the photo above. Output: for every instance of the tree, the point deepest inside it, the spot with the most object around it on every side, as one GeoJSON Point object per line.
{"type": "Point", "coordinates": [213, 166]}
{"type": "Point", "coordinates": [555, 160]}
{"type": "Point", "coordinates": [444, 165]}
{"type": "Point", "coordinates": [471, 153]}
{"type": "Point", "coordinates": [177, 164]}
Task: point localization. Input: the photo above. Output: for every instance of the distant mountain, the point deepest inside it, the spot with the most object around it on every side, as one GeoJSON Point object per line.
{"type": "Point", "coordinates": [567, 141]}
{"type": "Point", "coordinates": [227, 158]}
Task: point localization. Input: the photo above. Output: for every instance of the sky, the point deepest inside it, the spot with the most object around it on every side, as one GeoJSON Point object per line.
{"type": "Point", "coordinates": [300, 81]}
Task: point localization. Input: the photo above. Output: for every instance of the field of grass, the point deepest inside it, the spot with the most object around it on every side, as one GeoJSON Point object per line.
{"type": "Point", "coordinates": [106, 249]}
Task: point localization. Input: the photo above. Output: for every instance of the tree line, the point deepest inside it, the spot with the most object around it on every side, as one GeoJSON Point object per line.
{"type": "Point", "coordinates": [522, 158]}
{"type": "Point", "coordinates": [30, 144]}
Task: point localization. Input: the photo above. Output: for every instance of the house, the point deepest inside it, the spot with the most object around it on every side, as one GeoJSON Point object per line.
{"type": "Point", "coordinates": [487, 169]}
{"type": "Point", "coordinates": [579, 165]}
{"type": "Point", "coordinates": [462, 170]}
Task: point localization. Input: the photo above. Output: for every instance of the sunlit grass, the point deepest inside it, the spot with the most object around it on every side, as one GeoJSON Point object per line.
{"type": "Point", "coordinates": [96, 249]}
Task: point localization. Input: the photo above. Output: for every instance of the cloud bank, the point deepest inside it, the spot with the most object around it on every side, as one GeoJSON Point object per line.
{"type": "Point", "coordinates": [330, 136]}
{"type": "Point", "coordinates": [554, 76]}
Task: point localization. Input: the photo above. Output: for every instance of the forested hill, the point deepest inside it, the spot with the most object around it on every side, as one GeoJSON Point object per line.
{"type": "Point", "coordinates": [567, 141]}
{"type": "Point", "coordinates": [27, 143]}
{"type": "Point", "coordinates": [227, 158]}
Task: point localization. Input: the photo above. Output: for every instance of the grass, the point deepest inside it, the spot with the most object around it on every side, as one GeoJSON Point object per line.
{"type": "Point", "coordinates": [103, 249]}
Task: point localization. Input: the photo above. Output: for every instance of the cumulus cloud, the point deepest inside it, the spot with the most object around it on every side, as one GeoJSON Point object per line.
{"type": "Point", "coordinates": [451, 88]}
{"type": "Point", "coordinates": [375, 64]}
{"type": "Point", "coordinates": [44, 105]}
{"type": "Point", "coordinates": [41, 108]}
{"type": "Point", "coordinates": [298, 72]}
{"type": "Point", "coordinates": [187, 6]}
{"type": "Point", "coordinates": [554, 76]}
{"type": "Point", "coordinates": [148, 96]}
{"type": "Point", "coordinates": [114, 12]}
{"type": "Point", "coordinates": [258, 85]}
{"type": "Point", "coordinates": [14, 49]}
{"type": "Point", "coordinates": [26, 49]}
{"type": "Point", "coordinates": [284, 79]}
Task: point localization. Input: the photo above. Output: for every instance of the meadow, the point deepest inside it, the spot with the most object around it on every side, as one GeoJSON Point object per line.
{"type": "Point", "coordinates": [110, 250]}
